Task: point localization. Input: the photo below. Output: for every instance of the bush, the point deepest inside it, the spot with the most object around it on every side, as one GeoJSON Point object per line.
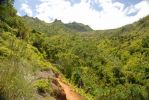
{"type": "Point", "coordinates": [43, 86]}
{"type": "Point", "coordinates": [4, 51]}
{"type": "Point", "coordinates": [145, 42]}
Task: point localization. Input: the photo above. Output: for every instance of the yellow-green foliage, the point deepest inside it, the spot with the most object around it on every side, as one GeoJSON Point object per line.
{"type": "Point", "coordinates": [43, 86]}
{"type": "Point", "coordinates": [100, 60]}
{"type": "Point", "coordinates": [113, 64]}
{"type": "Point", "coordinates": [18, 62]}
{"type": "Point", "coordinates": [4, 51]}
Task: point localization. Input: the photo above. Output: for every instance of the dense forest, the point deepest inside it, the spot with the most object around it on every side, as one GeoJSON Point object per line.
{"type": "Point", "coordinates": [101, 65]}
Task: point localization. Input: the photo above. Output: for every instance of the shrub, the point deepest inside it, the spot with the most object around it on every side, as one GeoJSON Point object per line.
{"type": "Point", "coordinates": [43, 86]}
{"type": "Point", "coordinates": [4, 51]}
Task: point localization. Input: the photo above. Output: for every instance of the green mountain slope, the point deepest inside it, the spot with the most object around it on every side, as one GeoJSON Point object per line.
{"type": "Point", "coordinates": [110, 63]}
{"type": "Point", "coordinates": [21, 63]}
{"type": "Point", "coordinates": [78, 27]}
{"type": "Point", "coordinates": [55, 27]}
{"type": "Point", "coordinates": [102, 64]}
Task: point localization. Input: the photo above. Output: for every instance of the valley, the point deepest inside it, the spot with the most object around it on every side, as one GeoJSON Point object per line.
{"type": "Point", "coordinates": [57, 61]}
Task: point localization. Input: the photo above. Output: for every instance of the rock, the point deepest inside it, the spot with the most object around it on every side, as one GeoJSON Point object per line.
{"type": "Point", "coordinates": [45, 74]}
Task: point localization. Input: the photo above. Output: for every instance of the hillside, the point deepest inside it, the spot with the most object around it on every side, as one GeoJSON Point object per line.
{"type": "Point", "coordinates": [113, 59]}
{"type": "Point", "coordinates": [97, 64]}
{"type": "Point", "coordinates": [51, 28]}
{"type": "Point", "coordinates": [55, 27]}
{"type": "Point", "coordinates": [78, 27]}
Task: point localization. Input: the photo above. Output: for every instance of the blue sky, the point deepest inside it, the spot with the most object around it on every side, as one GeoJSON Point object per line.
{"type": "Point", "coordinates": [98, 14]}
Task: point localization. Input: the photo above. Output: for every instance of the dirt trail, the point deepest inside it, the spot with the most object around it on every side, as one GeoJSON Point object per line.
{"type": "Point", "coordinates": [70, 94]}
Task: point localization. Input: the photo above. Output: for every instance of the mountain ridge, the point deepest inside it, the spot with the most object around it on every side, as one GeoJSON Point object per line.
{"type": "Point", "coordinates": [99, 65]}
{"type": "Point", "coordinates": [57, 24]}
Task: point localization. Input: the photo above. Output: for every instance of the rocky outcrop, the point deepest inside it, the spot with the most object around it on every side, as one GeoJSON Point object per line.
{"type": "Point", "coordinates": [58, 91]}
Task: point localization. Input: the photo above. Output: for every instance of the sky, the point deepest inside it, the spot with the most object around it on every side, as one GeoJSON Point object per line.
{"type": "Point", "coordinates": [98, 14]}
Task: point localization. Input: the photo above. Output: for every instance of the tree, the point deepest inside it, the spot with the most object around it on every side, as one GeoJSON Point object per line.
{"type": "Point", "coordinates": [7, 9]}
{"type": "Point", "coordinates": [6, 2]}
{"type": "Point", "coordinates": [3, 2]}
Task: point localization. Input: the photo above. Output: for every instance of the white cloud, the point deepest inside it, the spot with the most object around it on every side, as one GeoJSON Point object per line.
{"type": "Point", "coordinates": [131, 9]}
{"type": "Point", "coordinates": [143, 8]}
{"type": "Point", "coordinates": [18, 14]}
{"type": "Point", "coordinates": [112, 15]}
{"type": "Point", "coordinates": [26, 9]}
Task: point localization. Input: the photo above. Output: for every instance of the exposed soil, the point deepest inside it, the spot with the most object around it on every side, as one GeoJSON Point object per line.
{"type": "Point", "coordinates": [62, 90]}
{"type": "Point", "coordinates": [70, 94]}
